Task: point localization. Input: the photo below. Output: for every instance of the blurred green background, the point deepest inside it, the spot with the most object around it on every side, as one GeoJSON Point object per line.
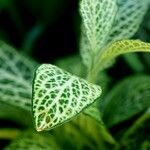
{"type": "Point", "coordinates": [45, 29]}
{"type": "Point", "coordinates": [49, 30]}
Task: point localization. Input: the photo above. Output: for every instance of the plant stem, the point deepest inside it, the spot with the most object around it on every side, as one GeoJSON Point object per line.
{"type": "Point", "coordinates": [9, 133]}
{"type": "Point", "coordinates": [92, 77]}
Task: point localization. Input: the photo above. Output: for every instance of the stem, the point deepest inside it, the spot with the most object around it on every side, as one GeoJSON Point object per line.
{"type": "Point", "coordinates": [107, 136]}
{"type": "Point", "coordinates": [92, 77]}
{"type": "Point", "coordinates": [9, 133]}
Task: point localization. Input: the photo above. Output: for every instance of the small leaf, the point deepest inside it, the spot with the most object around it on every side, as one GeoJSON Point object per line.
{"type": "Point", "coordinates": [58, 96]}
{"type": "Point", "coordinates": [98, 17]}
{"type": "Point", "coordinates": [16, 73]}
{"type": "Point", "coordinates": [129, 16]}
{"type": "Point", "coordinates": [121, 47]}
{"type": "Point", "coordinates": [33, 141]}
{"type": "Point", "coordinates": [127, 99]}
{"type": "Point", "coordinates": [94, 113]}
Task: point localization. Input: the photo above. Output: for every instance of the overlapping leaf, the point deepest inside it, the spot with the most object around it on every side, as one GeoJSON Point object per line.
{"type": "Point", "coordinates": [129, 16]}
{"type": "Point", "coordinates": [128, 98]}
{"type": "Point", "coordinates": [16, 74]}
{"type": "Point", "coordinates": [58, 96]}
{"type": "Point", "coordinates": [121, 47]}
{"type": "Point", "coordinates": [98, 16]}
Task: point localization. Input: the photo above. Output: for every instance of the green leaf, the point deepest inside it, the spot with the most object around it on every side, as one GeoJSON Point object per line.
{"type": "Point", "coordinates": [127, 99]}
{"type": "Point", "coordinates": [132, 139]}
{"type": "Point", "coordinates": [98, 17]}
{"type": "Point", "coordinates": [16, 73]}
{"type": "Point", "coordinates": [32, 141]}
{"type": "Point", "coordinates": [58, 96]}
{"type": "Point", "coordinates": [16, 115]}
{"type": "Point", "coordinates": [94, 113]}
{"type": "Point", "coordinates": [121, 47]}
{"type": "Point", "coordinates": [134, 62]}
{"type": "Point", "coordinates": [5, 4]}
{"type": "Point", "coordinates": [130, 14]}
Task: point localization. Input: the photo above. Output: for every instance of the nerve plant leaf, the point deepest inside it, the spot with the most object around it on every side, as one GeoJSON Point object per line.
{"type": "Point", "coordinates": [98, 16]}
{"type": "Point", "coordinates": [16, 72]}
{"type": "Point", "coordinates": [129, 16]}
{"type": "Point", "coordinates": [121, 47]}
{"type": "Point", "coordinates": [58, 96]}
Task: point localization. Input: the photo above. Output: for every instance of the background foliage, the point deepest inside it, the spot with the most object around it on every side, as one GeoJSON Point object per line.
{"type": "Point", "coordinates": [49, 32]}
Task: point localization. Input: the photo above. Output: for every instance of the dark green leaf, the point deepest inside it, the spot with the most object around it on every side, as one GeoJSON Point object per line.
{"type": "Point", "coordinates": [128, 98]}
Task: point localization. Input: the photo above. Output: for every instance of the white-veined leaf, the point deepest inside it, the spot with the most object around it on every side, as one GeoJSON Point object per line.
{"type": "Point", "coordinates": [16, 72]}
{"type": "Point", "coordinates": [128, 19]}
{"type": "Point", "coordinates": [58, 96]}
{"type": "Point", "coordinates": [98, 17]}
{"type": "Point", "coordinates": [121, 47]}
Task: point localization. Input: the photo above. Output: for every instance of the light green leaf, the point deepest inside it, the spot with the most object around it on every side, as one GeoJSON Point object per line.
{"type": "Point", "coordinates": [98, 17]}
{"type": "Point", "coordinates": [127, 99]}
{"type": "Point", "coordinates": [16, 74]}
{"type": "Point", "coordinates": [145, 145]}
{"type": "Point", "coordinates": [94, 113]}
{"type": "Point", "coordinates": [33, 141]}
{"type": "Point", "coordinates": [129, 17]}
{"type": "Point", "coordinates": [58, 96]}
{"type": "Point", "coordinates": [121, 47]}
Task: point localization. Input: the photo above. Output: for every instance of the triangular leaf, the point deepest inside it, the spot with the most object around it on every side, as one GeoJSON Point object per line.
{"type": "Point", "coordinates": [121, 47]}
{"type": "Point", "coordinates": [58, 96]}
{"type": "Point", "coordinates": [128, 19]}
{"type": "Point", "coordinates": [127, 99]}
{"type": "Point", "coordinates": [16, 73]}
{"type": "Point", "coordinates": [98, 17]}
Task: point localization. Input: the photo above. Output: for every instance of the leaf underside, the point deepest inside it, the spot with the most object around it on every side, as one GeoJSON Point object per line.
{"type": "Point", "coordinates": [58, 96]}
{"type": "Point", "coordinates": [98, 17]}
{"type": "Point", "coordinates": [129, 16]}
{"type": "Point", "coordinates": [16, 73]}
